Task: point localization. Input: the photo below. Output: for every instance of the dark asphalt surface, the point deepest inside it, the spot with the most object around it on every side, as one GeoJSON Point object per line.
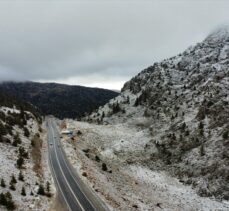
{"type": "Point", "coordinates": [64, 177]}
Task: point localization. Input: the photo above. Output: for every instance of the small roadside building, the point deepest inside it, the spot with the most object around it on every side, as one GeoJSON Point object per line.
{"type": "Point", "coordinates": [67, 132]}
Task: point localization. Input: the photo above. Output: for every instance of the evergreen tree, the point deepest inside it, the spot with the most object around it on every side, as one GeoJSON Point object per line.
{"type": "Point", "coordinates": [226, 134]}
{"type": "Point", "coordinates": [20, 162]}
{"type": "Point", "coordinates": [10, 204]}
{"type": "Point", "coordinates": [23, 153]}
{"type": "Point", "coordinates": [13, 179]}
{"type": "Point", "coordinates": [20, 176]}
{"type": "Point", "coordinates": [2, 129]}
{"type": "Point", "coordinates": [201, 125]}
{"type": "Point", "coordinates": [136, 102]}
{"type": "Point", "coordinates": [23, 192]}
{"type": "Point", "coordinates": [202, 151]}
{"type": "Point", "coordinates": [41, 190]}
{"type": "Point", "coordinates": [16, 140]}
{"type": "Point", "coordinates": [3, 199]}
{"type": "Point", "coordinates": [48, 186]}
{"type": "Point", "coordinates": [26, 132]}
{"type": "Point", "coordinates": [12, 186]}
{"type": "Point", "coordinates": [104, 167]}
{"type": "Point", "coordinates": [14, 143]}
{"type": "Point", "coordinates": [3, 183]}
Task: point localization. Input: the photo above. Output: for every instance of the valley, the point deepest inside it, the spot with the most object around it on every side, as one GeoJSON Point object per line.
{"type": "Point", "coordinates": [162, 143]}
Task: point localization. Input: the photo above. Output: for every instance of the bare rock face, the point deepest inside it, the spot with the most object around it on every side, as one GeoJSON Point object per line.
{"type": "Point", "coordinates": [185, 101]}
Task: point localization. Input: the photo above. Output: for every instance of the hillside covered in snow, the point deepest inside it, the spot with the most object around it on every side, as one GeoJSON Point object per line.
{"type": "Point", "coordinates": [25, 180]}
{"type": "Point", "coordinates": [179, 109]}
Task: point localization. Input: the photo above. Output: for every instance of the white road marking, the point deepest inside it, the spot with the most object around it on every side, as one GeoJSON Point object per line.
{"type": "Point", "coordinates": [78, 184]}
{"type": "Point", "coordinates": [58, 183]}
{"type": "Point", "coordinates": [63, 173]}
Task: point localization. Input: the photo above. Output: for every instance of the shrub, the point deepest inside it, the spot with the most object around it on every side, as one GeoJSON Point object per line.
{"type": "Point", "coordinates": [79, 132]}
{"type": "Point", "coordinates": [104, 167]}
{"type": "Point", "coordinates": [84, 174]}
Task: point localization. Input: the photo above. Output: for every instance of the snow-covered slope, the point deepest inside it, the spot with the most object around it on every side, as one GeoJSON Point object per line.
{"type": "Point", "coordinates": [22, 157]}
{"type": "Point", "coordinates": [182, 104]}
{"type": "Point", "coordinates": [126, 183]}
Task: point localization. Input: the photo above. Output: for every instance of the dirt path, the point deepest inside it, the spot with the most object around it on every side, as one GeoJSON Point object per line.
{"type": "Point", "coordinates": [36, 155]}
{"type": "Point", "coordinates": [58, 204]}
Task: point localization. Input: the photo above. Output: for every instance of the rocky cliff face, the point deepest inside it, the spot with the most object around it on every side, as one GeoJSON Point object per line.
{"type": "Point", "coordinates": [183, 103]}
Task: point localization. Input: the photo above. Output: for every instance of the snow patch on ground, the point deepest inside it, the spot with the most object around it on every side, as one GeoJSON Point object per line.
{"type": "Point", "coordinates": [8, 158]}
{"type": "Point", "coordinates": [129, 186]}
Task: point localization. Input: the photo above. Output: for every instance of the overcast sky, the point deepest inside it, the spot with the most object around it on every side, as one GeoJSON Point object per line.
{"type": "Point", "coordinates": [99, 43]}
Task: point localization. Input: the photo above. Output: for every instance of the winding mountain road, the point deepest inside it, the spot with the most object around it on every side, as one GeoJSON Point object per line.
{"type": "Point", "coordinates": [74, 192]}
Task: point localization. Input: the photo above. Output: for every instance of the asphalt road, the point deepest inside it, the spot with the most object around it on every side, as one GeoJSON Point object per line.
{"type": "Point", "coordinates": [67, 183]}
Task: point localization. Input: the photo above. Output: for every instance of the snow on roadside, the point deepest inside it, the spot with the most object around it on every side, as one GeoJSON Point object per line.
{"type": "Point", "coordinates": [8, 159]}
{"type": "Point", "coordinates": [128, 186]}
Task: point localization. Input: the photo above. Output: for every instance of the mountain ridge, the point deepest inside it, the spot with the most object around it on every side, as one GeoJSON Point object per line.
{"type": "Point", "coordinates": [60, 100]}
{"type": "Point", "coordinates": [183, 104]}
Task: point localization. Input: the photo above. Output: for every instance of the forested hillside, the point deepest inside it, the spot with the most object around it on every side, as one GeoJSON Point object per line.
{"type": "Point", "coordinates": [58, 99]}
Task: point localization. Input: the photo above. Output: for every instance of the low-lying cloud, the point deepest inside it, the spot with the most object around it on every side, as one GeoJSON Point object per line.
{"type": "Point", "coordinates": [99, 43]}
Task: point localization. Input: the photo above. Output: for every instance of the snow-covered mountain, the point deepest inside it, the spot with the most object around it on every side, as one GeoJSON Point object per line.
{"type": "Point", "coordinates": [182, 104]}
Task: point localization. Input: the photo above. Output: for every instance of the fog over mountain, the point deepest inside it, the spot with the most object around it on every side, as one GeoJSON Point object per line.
{"type": "Point", "coordinates": [98, 43]}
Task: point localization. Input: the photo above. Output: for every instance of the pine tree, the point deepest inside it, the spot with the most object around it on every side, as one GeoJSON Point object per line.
{"type": "Point", "coordinates": [23, 192]}
{"type": "Point", "coordinates": [10, 204]}
{"type": "Point", "coordinates": [20, 176]}
{"type": "Point", "coordinates": [20, 162]}
{"type": "Point", "coordinates": [3, 200]}
{"type": "Point", "coordinates": [104, 167]}
{"type": "Point", "coordinates": [16, 140]}
{"type": "Point", "coordinates": [13, 179]}
{"type": "Point", "coordinates": [14, 143]}
{"type": "Point", "coordinates": [23, 153]}
{"type": "Point", "coordinates": [226, 134]}
{"type": "Point", "coordinates": [26, 132]}
{"type": "Point", "coordinates": [12, 186]}
{"type": "Point", "coordinates": [48, 186]}
{"type": "Point", "coordinates": [202, 150]}
{"type": "Point", "coordinates": [41, 190]}
{"type": "Point", "coordinates": [2, 129]}
{"type": "Point", "coordinates": [136, 102]}
{"type": "Point", "coordinates": [3, 183]}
